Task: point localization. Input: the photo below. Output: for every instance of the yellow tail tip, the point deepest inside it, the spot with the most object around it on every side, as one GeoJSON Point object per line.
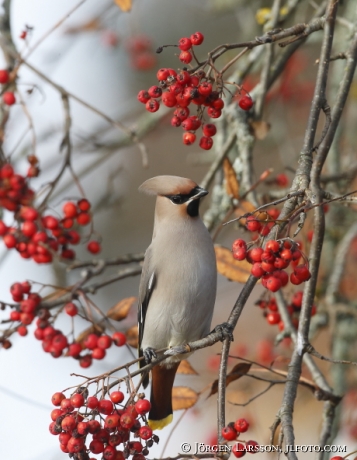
{"type": "Point", "coordinates": [160, 424]}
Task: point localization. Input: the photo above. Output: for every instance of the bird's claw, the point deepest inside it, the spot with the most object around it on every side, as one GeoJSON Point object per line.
{"type": "Point", "coordinates": [149, 354]}
{"type": "Point", "coordinates": [225, 331]}
{"type": "Point", "coordinates": [179, 350]}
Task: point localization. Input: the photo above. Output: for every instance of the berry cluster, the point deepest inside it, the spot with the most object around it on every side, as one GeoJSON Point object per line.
{"type": "Point", "coordinates": [141, 52]}
{"type": "Point", "coordinates": [85, 424]}
{"type": "Point", "coordinates": [53, 340]}
{"type": "Point", "coordinates": [232, 431]}
{"type": "Point", "coordinates": [181, 89]}
{"type": "Point", "coordinates": [272, 315]}
{"type": "Point", "coordinates": [36, 236]}
{"type": "Point", "coordinates": [269, 262]}
{"type": "Point", "coordinates": [8, 97]}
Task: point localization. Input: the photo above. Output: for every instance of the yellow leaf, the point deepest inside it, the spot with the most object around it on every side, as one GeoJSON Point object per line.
{"type": "Point", "coordinates": [232, 185]}
{"type": "Point", "coordinates": [132, 336]}
{"type": "Point", "coordinates": [124, 5]}
{"type": "Point", "coordinates": [260, 129]}
{"type": "Point", "coordinates": [183, 398]}
{"type": "Point", "coordinates": [186, 368]}
{"type": "Point", "coordinates": [234, 270]}
{"type": "Point", "coordinates": [94, 329]}
{"type": "Point", "coordinates": [121, 309]}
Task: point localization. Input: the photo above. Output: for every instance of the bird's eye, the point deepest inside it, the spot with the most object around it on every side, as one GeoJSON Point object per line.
{"type": "Point", "coordinates": [176, 199]}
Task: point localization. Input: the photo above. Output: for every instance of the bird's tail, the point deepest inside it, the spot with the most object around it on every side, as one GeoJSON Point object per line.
{"type": "Point", "coordinates": [162, 382]}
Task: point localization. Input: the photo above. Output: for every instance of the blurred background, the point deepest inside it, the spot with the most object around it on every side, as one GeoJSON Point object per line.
{"type": "Point", "coordinates": [105, 56]}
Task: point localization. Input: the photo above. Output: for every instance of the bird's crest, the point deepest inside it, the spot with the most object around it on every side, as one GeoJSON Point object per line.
{"type": "Point", "coordinates": [167, 185]}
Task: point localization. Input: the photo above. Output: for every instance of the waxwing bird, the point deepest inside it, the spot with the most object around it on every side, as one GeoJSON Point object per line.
{"type": "Point", "coordinates": [177, 287]}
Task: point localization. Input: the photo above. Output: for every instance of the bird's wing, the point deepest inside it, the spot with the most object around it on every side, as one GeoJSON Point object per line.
{"type": "Point", "coordinates": [147, 284]}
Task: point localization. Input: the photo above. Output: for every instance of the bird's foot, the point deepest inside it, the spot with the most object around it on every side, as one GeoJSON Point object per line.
{"type": "Point", "coordinates": [149, 354]}
{"type": "Point", "coordinates": [225, 331]}
{"type": "Point", "coordinates": [179, 350]}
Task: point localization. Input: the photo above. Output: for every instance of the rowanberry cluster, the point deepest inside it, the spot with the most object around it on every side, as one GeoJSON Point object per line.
{"type": "Point", "coordinates": [183, 88]}
{"type": "Point", "coordinates": [269, 262]}
{"type": "Point", "coordinates": [53, 340]}
{"type": "Point", "coordinates": [8, 97]}
{"type": "Point", "coordinates": [36, 236]}
{"type": "Point", "coordinates": [272, 315]}
{"type": "Point", "coordinates": [141, 52]}
{"type": "Point", "coordinates": [85, 424]}
{"type": "Point", "coordinates": [232, 431]}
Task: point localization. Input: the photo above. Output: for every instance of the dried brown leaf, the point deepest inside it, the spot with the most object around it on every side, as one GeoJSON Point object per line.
{"type": "Point", "coordinates": [236, 373]}
{"type": "Point", "coordinates": [132, 336]}
{"type": "Point", "coordinates": [121, 309]}
{"type": "Point", "coordinates": [90, 26]}
{"type": "Point", "coordinates": [94, 329]}
{"type": "Point", "coordinates": [183, 398]}
{"type": "Point", "coordinates": [260, 129]}
{"type": "Point", "coordinates": [124, 5]}
{"type": "Point", "coordinates": [234, 270]}
{"type": "Point", "coordinates": [186, 368]}
{"type": "Point", "coordinates": [232, 184]}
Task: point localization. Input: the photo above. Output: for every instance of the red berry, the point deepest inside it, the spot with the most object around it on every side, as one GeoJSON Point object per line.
{"type": "Point", "coordinates": [273, 284]}
{"type": "Point", "coordinates": [143, 96]}
{"type": "Point", "coordinates": [3, 228]}
{"type": "Point", "coordinates": [152, 105]}
{"type": "Point", "coordinates": [71, 309]}
{"type": "Point", "coordinates": [119, 339]}
{"type": "Point", "coordinates": [73, 237]}
{"type": "Point", "coordinates": [105, 406]}
{"type": "Point", "coordinates": [252, 224]}
{"type": "Point", "coordinates": [185, 57]}
{"type": "Point", "coordinates": [240, 254]}
{"type": "Point", "coordinates": [92, 402]}
{"type": "Point", "coordinates": [69, 209]}
{"type": "Point", "coordinates": [206, 143]}
{"type": "Point", "coordinates": [196, 38]}
{"type": "Point", "coordinates": [187, 139]}
{"type": "Point", "coordinates": [241, 425]}
{"type": "Point", "coordinates": [91, 341]}
{"type": "Point", "coordinates": [28, 213]}
{"type": "Point", "coordinates": [50, 222]}
{"type": "Point", "coordinates": [162, 74]}
{"type": "Point", "coordinates": [302, 272]}
{"type": "Point", "coordinates": [77, 400]}
{"type": "Point", "coordinates": [281, 180]}
{"type": "Point", "coordinates": [182, 113]}
{"type": "Point", "coordinates": [142, 406]}
{"type": "Point", "coordinates": [286, 254]}
{"type": "Point", "coordinates": [22, 330]}
{"type": "Point", "coordinates": [257, 270]}
{"type": "Point", "coordinates": [96, 446]}
{"type": "Point", "coordinates": [85, 361]}
{"type": "Point", "coordinates": [127, 421]}
{"type": "Point", "coordinates": [116, 397]}
{"type": "Point", "coordinates": [297, 299]}
{"type": "Point", "coordinates": [229, 433]}
{"type": "Point", "coordinates": [9, 98]}
{"type": "Point", "coordinates": [94, 247]}
{"type": "Point", "coordinates": [4, 76]}
{"type": "Point", "coordinates": [168, 99]}
{"type": "Point", "coordinates": [209, 129]}
{"type": "Point", "coordinates": [145, 432]}
{"type": "Point", "coordinates": [183, 77]}
{"type": "Point", "coordinates": [15, 315]}
{"type": "Point", "coordinates": [214, 113]}
{"type": "Point", "coordinates": [273, 318]}
{"type": "Point", "coordinates": [218, 104]}
{"type": "Point", "coordinates": [104, 342]}
{"type": "Point", "coordinates": [239, 450]}
{"type": "Point", "coordinates": [29, 228]}
{"type": "Point", "coordinates": [83, 218]}
{"type": "Point", "coordinates": [205, 88]}
{"type": "Point", "coordinates": [155, 91]}
{"type": "Point", "coordinates": [272, 245]}
{"type": "Point", "coordinates": [252, 447]}
{"type": "Point", "coordinates": [175, 122]}
{"type": "Point", "coordinates": [9, 241]}
{"type": "Point", "coordinates": [74, 349]}
{"type": "Point", "coordinates": [84, 205]}
{"type": "Point", "coordinates": [184, 44]}
{"type": "Point", "coordinates": [246, 103]}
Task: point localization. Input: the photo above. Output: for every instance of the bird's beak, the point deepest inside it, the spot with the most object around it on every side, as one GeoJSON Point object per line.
{"type": "Point", "coordinates": [200, 193]}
